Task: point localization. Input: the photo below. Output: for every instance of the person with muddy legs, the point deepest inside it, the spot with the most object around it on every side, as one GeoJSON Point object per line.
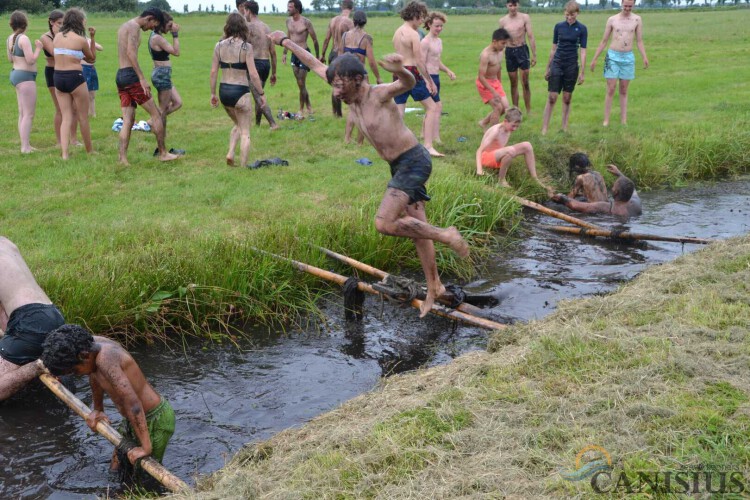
{"type": "Point", "coordinates": [488, 81]}
{"type": "Point", "coordinates": [148, 418]}
{"type": "Point", "coordinates": [264, 54]}
{"type": "Point", "coordinates": [494, 152]}
{"type": "Point", "coordinates": [402, 210]}
{"type": "Point", "coordinates": [132, 86]}
{"type": "Point", "coordinates": [589, 184]}
{"type": "Point", "coordinates": [298, 28]}
{"type": "Point", "coordinates": [518, 25]}
{"type": "Point", "coordinates": [336, 28]}
{"type": "Point", "coordinates": [625, 201]}
{"type": "Point", "coordinates": [27, 315]}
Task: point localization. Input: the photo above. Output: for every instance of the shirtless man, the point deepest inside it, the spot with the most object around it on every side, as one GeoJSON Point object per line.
{"type": "Point", "coordinates": [488, 79]}
{"type": "Point", "coordinates": [132, 85]}
{"type": "Point", "coordinates": [27, 315]}
{"type": "Point", "coordinates": [494, 152]}
{"type": "Point", "coordinates": [432, 48]}
{"type": "Point", "coordinates": [298, 28]}
{"type": "Point", "coordinates": [619, 63]}
{"type": "Point", "coordinates": [589, 184]}
{"type": "Point", "coordinates": [264, 54]}
{"type": "Point", "coordinates": [337, 27]}
{"type": "Point", "coordinates": [401, 212]}
{"type": "Point", "coordinates": [625, 200]}
{"type": "Point", "coordinates": [148, 417]}
{"type": "Point", "coordinates": [406, 43]}
{"type": "Point", "coordinates": [518, 25]}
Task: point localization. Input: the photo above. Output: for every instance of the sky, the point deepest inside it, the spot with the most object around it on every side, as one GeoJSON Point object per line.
{"type": "Point", "coordinates": [177, 5]}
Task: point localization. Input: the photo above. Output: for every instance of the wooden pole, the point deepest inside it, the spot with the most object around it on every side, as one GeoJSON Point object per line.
{"type": "Point", "coordinates": [374, 271]}
{"type": "Point", "coordinates": [157, 470]}
{"type": "Point", "coordinates": [626, 235]}
{"type": "Point", "coordinates": [365, 287]}
{"type": "Point", "coordinates": [554, 213]}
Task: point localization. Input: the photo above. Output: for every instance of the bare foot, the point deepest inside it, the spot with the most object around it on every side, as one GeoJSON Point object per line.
{"type": "Point", "coordinates": [482, 124]}
{"type": "Point", "coordinates": [605, 124]}
{"type": "Point", "coordinates": [76, 143]}
{"type": "Point", "coordinates": [429, 301]}
{"type": "Point", "coordinates": [275, 127]}
{"type": "Point", "coordinates": [30, 150]}
{"type": "Point", "coordinates": [123, 161]}
{"type": "Point", "coordinates": [230, 161]}
{"type": "Point", "coordinates": [168, 157]}
{"type": "Point", "coordinates": [503, 183]}
{"type": "Point", "coordinates": [434, 152]}
{"type": "Point", "coordinates": [457, 243]}
{"type": "Point", "coordinates": [480, 172]}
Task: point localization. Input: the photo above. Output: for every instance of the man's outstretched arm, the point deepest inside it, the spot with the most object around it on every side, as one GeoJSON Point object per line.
{"type": "Point", "coordinates": [280, 38]}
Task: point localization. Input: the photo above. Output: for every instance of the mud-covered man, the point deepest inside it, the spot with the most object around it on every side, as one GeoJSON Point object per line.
{"type": "Point", "coordinates": [298, 28]}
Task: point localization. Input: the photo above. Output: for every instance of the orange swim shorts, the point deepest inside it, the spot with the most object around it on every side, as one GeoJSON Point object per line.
{"type": "Point", "coordinates": [486, 94]}
{"type": "Point", "coordinates": [488, 159]}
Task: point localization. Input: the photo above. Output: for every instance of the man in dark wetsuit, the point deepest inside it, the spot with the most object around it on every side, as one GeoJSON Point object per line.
{"type": "Point", "coordinates": [625, 200]}
{"type": "Point", "coordinates": [401, 212]}
{"type": "Point", "coordinates": [298, 28]}
{"type": "Point", "coordinates": [336, 28]}
{"type": "Point", "coordinates": [27, 315]}
{"type": "Point", "coordinates": [264, 55]}
{"type": "Point", "coordinates": [518, 25]}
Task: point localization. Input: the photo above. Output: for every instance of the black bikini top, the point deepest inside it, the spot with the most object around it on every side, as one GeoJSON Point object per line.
{"type": "Point", "coordinates": [47, 54]}
{"type": "Point", "coordinates": [232, 65]}
{"type": "Point", "coordinates": [157, 55]}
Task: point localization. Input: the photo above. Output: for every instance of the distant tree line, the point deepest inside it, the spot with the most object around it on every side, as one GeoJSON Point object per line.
{"type": "Point", "coordinates": [42, 6]}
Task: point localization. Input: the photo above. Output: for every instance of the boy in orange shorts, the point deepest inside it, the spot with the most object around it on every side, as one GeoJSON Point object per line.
{"type": "Point", "coordinates": [493, 152]}
{"type": "Point", "coordinates": [488, 79]}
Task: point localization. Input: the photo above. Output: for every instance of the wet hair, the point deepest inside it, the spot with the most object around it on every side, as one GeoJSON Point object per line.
{"type": "Point", "coordinates": [513, 115]}
{"type": "Point", "coordinates": [156, 13]}
{"type": "Point", "coordinates": [359, 18]}
{"type": "Point", "coordinates": [500, 34]}
{"type": "Point", "coordinates": [625, 188]}
{"type": "Point", "coordinates": [240, 3]}
{"type": "Point", "coordinates": [345, 66]}
{"type": "Point", "coordinates": [53, 17]}
{"type": "Point", "coordinates": [347, 4]}
{"type": "Point", "coordinates": [252, 7]}
{"type": "Point", "coordinates": [413, 10]}
{"type": "Point", "coordinates": [572, 6]}
{"type": "Point", "coordinates": [431, 18]}
{"type": "Point", "coordinates": [578, 163]}
{"type": "Point", "coordinates": [162, 28]}
{"type": "Point", "coordinates": [74, 20]}
{"type": "Point", "coordinates": [297, 5]}
{"type": "Point", "coordinates": [18, 23]}
{"type": "Point", "coordinates": [511, 2]}
{"type": "Point", "coordinates": [63, 347]}
{"type": "Point", "coordinates": [236, 26]}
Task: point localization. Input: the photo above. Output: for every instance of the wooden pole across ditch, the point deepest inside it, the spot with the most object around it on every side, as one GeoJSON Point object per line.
{"type": "Point", "coordinates": [366, 287]}
{"type": "Point", "coordinates": [554, 213]}
{"type": "Point", "coordinates": [626, 235]}
{"type": "Point", "coordinates": [157, 470]}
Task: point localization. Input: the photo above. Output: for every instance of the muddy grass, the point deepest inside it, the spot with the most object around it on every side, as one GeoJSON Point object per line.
{"type": "Point", "coordinates": [657, 374]}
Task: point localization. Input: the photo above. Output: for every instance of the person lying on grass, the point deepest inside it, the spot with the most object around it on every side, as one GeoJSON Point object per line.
{"type": "Point", "coordinates": [401, 212]}
{"type": "Point", "coordinates": [625, 201]}
{"type": "Point", "coordinates": [148, 418]}
{"type": "Point", "coordinates": [494, 153]}
{"type": "Point", "coordinates": [589, 184]}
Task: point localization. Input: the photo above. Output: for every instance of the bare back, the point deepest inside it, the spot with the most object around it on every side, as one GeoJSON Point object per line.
{"type": "Point", "coordinates": [340, 25]}
{"type": "Point", "coordinates": [128, 42]}
{"type": "Point", "coordinates": [233, 51]}
{"type": "Point", "coordinates": [623, 31]}
{"type": "Point", "coordinates": [591, 186]}
{"type": "Point", "coordinates": [490, 63]}
{"type": "Point", "coordinates": [17, 285]}
{"type": "Point", "coordinates": [406, 44]}
{"type": "Point", "coordinates": [298, 30]}
{"type": "Point", "coordinates": [517, 27]}
{"type": "Point", "coordinates": [259, 39]}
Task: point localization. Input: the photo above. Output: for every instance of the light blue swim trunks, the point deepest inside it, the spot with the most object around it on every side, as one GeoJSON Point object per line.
{"type": "Point", "coordinates": [619, 65]}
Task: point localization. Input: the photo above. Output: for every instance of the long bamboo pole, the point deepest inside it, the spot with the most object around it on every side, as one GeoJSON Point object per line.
{"type": "Point", "coordinates": [157, 470]}
{"type": "Point", "coordinates": [626, 235]}
{"type": "Point", "coordinates": [365, 287]}
{"type": "Point", "coordinates": [555, 213]}
{"type": "Point", "coordinates": [374, 271]}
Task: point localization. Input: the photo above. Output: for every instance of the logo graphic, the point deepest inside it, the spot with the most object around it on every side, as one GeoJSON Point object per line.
{"type": "Point", "coordinates": [601, 461]}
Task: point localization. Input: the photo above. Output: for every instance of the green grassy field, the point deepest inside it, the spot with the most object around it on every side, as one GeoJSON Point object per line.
{"type": "Point", "coordinates": [156, 245]}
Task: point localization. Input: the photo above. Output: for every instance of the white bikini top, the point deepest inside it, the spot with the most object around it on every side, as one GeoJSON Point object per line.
{"type": "Point", "coordinates": [78, 54]}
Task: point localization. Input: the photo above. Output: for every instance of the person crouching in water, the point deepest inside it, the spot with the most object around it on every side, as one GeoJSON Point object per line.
{"type": "Point", "coordinates": [148, 419]}
{"type": "Point", "coordinates": [625, 201]}
{"type": "Point", "coordinates": [589, 184]}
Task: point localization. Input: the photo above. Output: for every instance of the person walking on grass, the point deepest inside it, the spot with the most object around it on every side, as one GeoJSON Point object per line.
{"type": "Point", "coordinates": [518, 25]}
{"type": "Point", "coordinates": [402, 210]}
{"type": "Point", "coordinates": [336, 28]}
{"type": "Point", "coordinates": [406, 43]}
{"type": "Point", "coordinates": [488, 82]}
{"type": "Point", "coordinates": [563, 69]}
{"type": "Point", "coordinates": [264, 52]}
{"type": "Point", "coordinates": [23, 75]}
{"type": "Point", "coordinates": [234, 55]}
{"type": "Point", "coordinates": [619, 63]}
{"type": "Point", "coordinates": [432, 48]}
{"type": "Point", "coordinates": [298, 28]}
{"type": "Point", "coordinates": [132, 86]}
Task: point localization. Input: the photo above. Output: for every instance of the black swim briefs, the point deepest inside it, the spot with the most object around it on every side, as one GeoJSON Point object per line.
{"type": "Point", "coordinates": [517, 57]}
{"type": "Point", "coordinates": [28, 326]}
{"type": "Point", "coordinates": [263, 67]}
{"type": "Point", "coordinates": [409, 173]}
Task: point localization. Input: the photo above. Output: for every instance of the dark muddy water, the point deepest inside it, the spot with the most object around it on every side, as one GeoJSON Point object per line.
{"type": "Point", "coordinates": [224, 396]}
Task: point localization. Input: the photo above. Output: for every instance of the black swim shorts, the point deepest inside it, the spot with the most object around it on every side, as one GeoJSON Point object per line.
{"type": "Point", "coordinates": [517, 57]}
{"type": "Point", "coordinates": [562, 78]}
{"type": "Point", "coordinates": [409, 173]}
{"type": "Point", "coordinates": [28, 326]}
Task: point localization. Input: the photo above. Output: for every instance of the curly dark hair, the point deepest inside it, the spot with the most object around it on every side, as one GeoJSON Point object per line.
{"type": "Point", "coordinates": [413, 10]}
{"type": "Point", "coordinates": [63, 347]}
{"type": "Point", "coordinates": [74, 20]}
{"type": "Point", "coordinates": [578, 163]}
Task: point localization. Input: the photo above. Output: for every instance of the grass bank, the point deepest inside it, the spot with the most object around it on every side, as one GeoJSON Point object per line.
{"type": "Point", "coordinates": [154, 247]}
{"type": "Point", "coordinates": [656, 374]}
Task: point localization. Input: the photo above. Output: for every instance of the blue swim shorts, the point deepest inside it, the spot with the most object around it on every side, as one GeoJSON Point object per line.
{"type": "Point", "coordinates": [92, 78]}
{"type": "Point", "coordinates": [619, 65]}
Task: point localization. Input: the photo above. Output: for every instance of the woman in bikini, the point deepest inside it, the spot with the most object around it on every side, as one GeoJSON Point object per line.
{"type": "Point", "coordinates": [54, 21]}
{"type": "Point", "coordinates": [160, 50]}
{"type": "Point", "coordinates": [70, 47]}
{"type": "Point", "coordinates": [234, 55]}
{"type": "Point", "coordinates": [359, 43]}
{"type": "Point", "coordinates": [23, 75]}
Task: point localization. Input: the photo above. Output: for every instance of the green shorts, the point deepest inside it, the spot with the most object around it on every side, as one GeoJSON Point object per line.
{"type": "Point", "coordinates": [160, 423]}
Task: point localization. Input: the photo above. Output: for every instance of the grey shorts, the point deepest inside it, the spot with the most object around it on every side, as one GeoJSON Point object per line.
{"type": "Point", "coordinates": [161, 77]}
{"type": "Point", "coordinates": [409, 173]}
